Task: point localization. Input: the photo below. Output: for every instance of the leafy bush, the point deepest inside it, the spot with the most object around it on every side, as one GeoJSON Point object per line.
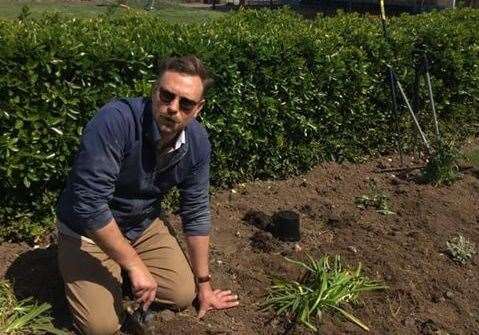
{"type": "Point", "coordinates": [289, 92]}
{"type": "Point", "coordinates": [325, 287]}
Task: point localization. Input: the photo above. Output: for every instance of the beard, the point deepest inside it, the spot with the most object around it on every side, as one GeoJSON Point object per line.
{"type": "Point", "coordinates": [168, 125]}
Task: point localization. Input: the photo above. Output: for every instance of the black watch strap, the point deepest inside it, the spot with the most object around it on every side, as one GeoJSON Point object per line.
{"type": "Point", "coordinates": [203, 279]}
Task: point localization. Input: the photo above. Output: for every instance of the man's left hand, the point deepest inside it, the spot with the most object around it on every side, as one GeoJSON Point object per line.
{"type": "Point", "coordinates": [214, 300]}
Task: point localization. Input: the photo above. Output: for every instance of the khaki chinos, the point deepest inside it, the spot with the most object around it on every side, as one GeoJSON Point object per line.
{"type": "Point", "coordinates": [93, 281]}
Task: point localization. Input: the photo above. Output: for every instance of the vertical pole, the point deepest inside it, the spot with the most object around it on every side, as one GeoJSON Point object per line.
{"type": "Point", "coordinates": [150, 5]}
{"type": "Point", "coordinates": [431, 96]}
{"type": "Point", "coordinates": [392, 87]}
{"type": "Point", "coordinates": [415, 93]}
{"type": "Point", "coordinates": [383, 14]}
{"type": "Point", "coordinates": [416, 122]}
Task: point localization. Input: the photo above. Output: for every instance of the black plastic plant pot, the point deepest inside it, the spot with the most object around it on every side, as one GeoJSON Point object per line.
{"type": "Point", "coordinates": [286, 226]}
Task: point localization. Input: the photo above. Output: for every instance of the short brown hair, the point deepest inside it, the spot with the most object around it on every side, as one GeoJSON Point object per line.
{"type": "Point", "coordinates": [190, 65]}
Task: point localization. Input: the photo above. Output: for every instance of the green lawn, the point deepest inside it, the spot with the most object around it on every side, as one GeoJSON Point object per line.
{"type": "Point", "coordinates": [472, 157]}
{"type": "Point", "coordinates": [172, 11]}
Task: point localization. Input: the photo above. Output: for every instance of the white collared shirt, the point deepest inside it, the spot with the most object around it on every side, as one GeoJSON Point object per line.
{"type": "Point", "coordinates": [179, 142]}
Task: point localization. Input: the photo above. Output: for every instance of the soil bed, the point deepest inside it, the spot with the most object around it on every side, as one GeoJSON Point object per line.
{"type": "Point", "coordinates": [428, 292]}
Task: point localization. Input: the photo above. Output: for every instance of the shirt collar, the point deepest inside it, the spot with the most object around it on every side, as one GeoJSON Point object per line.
{"type": "Point", "coordinates": [179, 141]}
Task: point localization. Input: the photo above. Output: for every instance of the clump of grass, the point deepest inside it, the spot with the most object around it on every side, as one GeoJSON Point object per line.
{"type": "Point", "coordinates": [325, 286]}
{"type": "Point", "coordinates": [442, 167]}
{"type": "Point", "coordinates": [375, 198]}
{"type": "Point", "coordinates": [461, 249]}
{"type": "Point", "coordinates": [25, 316]}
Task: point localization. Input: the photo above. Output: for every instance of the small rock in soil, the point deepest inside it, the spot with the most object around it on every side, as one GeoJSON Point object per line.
{"type": "Point", "coordinates": [166, 315]}
{"type": "Point", "coordinates": [258, 219]}
{"type": "Point", "coordinates": [395, 180]}
{"type": "Point", "coordinates": [381, 165]}
{"type": "Point", "coordinates": [350, 328]}
{"type": "Point", "coordinates": [340, 219]}
{"type": "Point", "coordinates": [435, 298]}
{"type": "Point", "coordinates": [275, 323]}
{"type": "Point", "coordinates": [401, 189]}
{"type": "Point", "coordinates": [304, 183]}
{"type": "Point", "coordinates": [410, 322]}
{"type": "Point", "coordinates": [353, 249]}
{"type": "Point", "coordinates": [449, 294]}
{"type": "Point", "coordinates": [429, 327]}
{"type": "Point", "coordinates": [262, 241]}
{"type": "Point", "coordinates": [401, 183]}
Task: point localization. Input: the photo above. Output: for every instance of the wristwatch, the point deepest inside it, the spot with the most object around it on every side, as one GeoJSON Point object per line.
{"type": "Point", "coordinates": [203, 279]}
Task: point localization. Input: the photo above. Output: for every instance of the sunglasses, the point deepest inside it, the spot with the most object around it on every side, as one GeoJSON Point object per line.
{"type": "Point", "coordinates": [186, 105]}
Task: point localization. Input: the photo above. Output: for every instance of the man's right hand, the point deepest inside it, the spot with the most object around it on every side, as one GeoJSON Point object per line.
{"type": "Point", "coordinates": [114, 244]}
{"type": "Point", "coordinates": [143, 285]}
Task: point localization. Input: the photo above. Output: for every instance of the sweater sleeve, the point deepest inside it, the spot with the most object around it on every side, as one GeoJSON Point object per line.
{"type": "Point", "coordinates": [194, 198]}
{"type": "Point", "coordinates": [97, 166]}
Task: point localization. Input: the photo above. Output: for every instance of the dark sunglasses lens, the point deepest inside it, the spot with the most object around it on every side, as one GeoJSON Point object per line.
{"type": "Point", "coordinates": [187, 105]}
{"type": "Point", "coordinates": [166, 96]}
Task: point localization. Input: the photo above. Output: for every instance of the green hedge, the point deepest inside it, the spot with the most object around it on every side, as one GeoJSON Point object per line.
{"type": "Point", "coordinates": [289, 92]}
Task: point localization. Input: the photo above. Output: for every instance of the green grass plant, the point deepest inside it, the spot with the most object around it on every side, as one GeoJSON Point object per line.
{"type": "Point", "coordinates": [170, 11]}
{"type": "Point", "coordinates": [325, 286]}
{"type": "Point", "coordinates": [24, 316]}
{"type": "Point", "coordinates": [461, 249]}
{"type": "Point", "coordinates": [12, 9]}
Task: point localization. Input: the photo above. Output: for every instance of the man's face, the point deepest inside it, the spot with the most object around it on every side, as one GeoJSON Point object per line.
{"type": "Point", "coordinates": [177, 99]}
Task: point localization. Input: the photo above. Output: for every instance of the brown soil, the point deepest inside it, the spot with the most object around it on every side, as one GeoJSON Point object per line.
{"type": "Point", "coordinates": [428, 292]}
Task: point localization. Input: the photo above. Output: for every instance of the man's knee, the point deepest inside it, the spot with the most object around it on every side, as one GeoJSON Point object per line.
{"type": "Point", "coordinates": [98, 326]}
{"type": "Point", "coordinates": [183, 294]}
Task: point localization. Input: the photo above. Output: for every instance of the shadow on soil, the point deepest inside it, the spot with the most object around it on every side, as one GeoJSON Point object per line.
{"type": "Point", "coordinates": [35, 274]}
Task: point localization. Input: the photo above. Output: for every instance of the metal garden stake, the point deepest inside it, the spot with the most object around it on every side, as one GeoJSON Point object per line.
{"type": "Point", "coordinates": [393, 81]}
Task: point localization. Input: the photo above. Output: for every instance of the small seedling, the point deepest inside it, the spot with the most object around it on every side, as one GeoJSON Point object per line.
{"type": "Point", "coordinates": [25, 316]}
{"type": "Point", "coordinates": [442, 167]}
{"type": "Point", "coordinates": [460, 249]}
{"type": "Point", "coordinates": [375, 198]}
{"type": "Point", "coordinates": [324, 288]}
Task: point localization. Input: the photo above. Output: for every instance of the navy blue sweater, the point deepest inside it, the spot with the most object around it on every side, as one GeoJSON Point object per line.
{"type": "Point", "coordinates": [116, 173]}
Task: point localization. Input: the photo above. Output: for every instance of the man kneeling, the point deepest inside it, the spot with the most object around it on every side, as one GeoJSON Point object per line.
{"type": "Point", "coordinates": [131, 153]}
